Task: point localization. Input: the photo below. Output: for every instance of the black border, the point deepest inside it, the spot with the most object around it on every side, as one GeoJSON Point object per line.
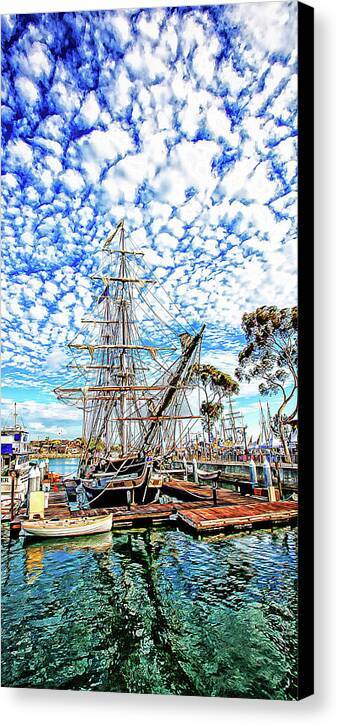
{"type": "Point", "coordinates": [306, 348]}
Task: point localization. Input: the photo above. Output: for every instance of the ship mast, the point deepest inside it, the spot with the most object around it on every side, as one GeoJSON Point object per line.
{"type": "Point", "coordinates": [122, 402]}
{"type": "Point", "coordinates": [124, 324]}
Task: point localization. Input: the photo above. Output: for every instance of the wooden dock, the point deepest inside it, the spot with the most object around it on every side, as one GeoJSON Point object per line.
{"type": "Point", "coordinates": [188, 491]}
{"type": "Point", "coordinates": [209, 520]}
{"type": "Point", "coordinates": [199, 513]}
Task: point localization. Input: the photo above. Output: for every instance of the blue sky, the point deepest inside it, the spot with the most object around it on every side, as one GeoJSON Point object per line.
{"type": "Point", "coordinates": [181, 120]}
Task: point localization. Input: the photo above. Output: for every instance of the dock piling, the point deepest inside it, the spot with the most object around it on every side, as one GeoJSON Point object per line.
{"type": "Point", "coordinates": [214, 492]}
{"type": "Point", "coordinates": [13, 480]}
{"type": "Point", "coordinates": [184, 462]}
{"type": "Point", "coordinates": [253, 473]}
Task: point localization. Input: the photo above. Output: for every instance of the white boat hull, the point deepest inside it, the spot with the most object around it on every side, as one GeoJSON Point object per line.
{"type": "Point", "coordinates": [21, 484]}
{"type": "Point", "coordinates": [70, 527]}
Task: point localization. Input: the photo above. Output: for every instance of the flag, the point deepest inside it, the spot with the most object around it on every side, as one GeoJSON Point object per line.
{"type": "Point", "coordinates": [104, 294]}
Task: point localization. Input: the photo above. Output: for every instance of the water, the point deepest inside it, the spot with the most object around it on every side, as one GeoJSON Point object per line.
{"type": "Point", "coordinates": [65, 467]}
{"type": "Point", "coordinates": [153, 611]}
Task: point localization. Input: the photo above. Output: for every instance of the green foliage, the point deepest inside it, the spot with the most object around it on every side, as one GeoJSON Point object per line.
{"type": "Point", "coordinates": [211, 411]}
{"type": "Point", "coordinates": [216, 385]}
{"type": "Point", "coordinates": [96, 445]}
{"type": "Point", "coordinates": [220, 383]}
{"type": "Point", "coordinates": [271, 350]}
{"type": "Point", "coordinates": [271, 356]}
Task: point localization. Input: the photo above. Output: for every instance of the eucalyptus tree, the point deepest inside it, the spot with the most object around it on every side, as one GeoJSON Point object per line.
{"type": "Point", "coordinates": [216, 385]}
{"type": "Point", "coordinates": [271, 356]}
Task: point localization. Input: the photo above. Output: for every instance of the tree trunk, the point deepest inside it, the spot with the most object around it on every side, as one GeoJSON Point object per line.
{"type": "Point", "coordinates": [209, 435]}
{"type": "Point", "coordinates": [284, 442]}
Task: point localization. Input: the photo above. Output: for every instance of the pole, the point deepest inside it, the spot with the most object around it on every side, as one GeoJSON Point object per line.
{"type": "Point", "coordinates": [245, 439]}
{"type": "Point", "coordinates": [253, 473]}
{"type": "Point", "coordinates": [268, 480]}
{"type": "Point", "coordinates": [223, 429]}
{"type": "Point", "coordinates": [184, 462]}
{"type": "Point", "coordinates": [214, 492]}
{"type": "Point", "coordinates": [124, 379]}
{"type": "Point", "coordinates": [277, 468]}
{"type": "Point", "coordinates": [13, 478]}
{"type": "Point", "coordinates": [180, 435]}
{"type": "Point", "coordinates": [267, 473]}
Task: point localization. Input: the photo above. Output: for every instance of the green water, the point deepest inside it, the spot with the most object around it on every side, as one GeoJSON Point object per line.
{"type": "Point", "coordinates": [152, 612]}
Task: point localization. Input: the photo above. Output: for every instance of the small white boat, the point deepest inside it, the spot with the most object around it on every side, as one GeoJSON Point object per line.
{"type": "Point", "coordinates": [70, 527]}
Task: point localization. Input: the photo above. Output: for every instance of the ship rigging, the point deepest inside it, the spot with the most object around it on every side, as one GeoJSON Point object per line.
{"type": "Point", "coordinates": [133, 372]}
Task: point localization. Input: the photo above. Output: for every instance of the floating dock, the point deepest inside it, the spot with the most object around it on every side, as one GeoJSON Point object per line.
{"type": "Point", "coordinates": [209, 520]}
{"type": "Point", "coordinates": [199, 509]}
{"type": "Point", "coordinates": [190, 492]}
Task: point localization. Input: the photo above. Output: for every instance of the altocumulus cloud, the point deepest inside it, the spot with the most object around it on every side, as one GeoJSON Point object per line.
{"type": "Point", "coordinates": [182, 121]}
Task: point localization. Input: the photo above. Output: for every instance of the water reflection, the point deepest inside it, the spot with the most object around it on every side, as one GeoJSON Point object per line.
{"type": "Point", "coordinates": [153, 611]}
{"type": "Point", "coordinates": [36, 549]}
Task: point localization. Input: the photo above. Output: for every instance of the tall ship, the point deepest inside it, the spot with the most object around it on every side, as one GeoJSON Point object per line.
{"type": "Point", "coordinates": [14, 463]}
{"type": "Point", "coordinates": [234, 427]}
{"type": "Point", "coordinates": [133, 372]}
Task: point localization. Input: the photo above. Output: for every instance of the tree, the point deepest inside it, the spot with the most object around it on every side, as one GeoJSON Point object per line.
{"type": "Point", "coordinates": [271, 355]}
{"type": "Point", "coordinates": [95, 444]}
{"type": "Point", "coordinates": [216, 385]}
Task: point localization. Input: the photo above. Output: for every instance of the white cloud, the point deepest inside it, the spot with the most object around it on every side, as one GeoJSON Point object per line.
{"type": "Point", "coordinates": [204, 61]}
{"type": "Point", "coordinates": [38, 312]}
{"type": "Point", "coordinates": [50, 145]}
{"type": "Point", "coordinates": [166, 241]}
{"type": "Point", "coordinates": [27, 90]}
{"type": "Point", "coordinates": [56, 359]}
{"type": "Point", "coordinates": [106, 145]}
{"type": "Point", "coordinates": [220, 125]}
{"type": "Point", "coordinates": [72, 180]}
{"type": "Point", "coordinates": [121, 26]}
{"type": "Point", "coordinates": [9, 180]}
{"type": "Point", "coordinates": [36, 62]}
{"type": "Point", "coordinates": [90, 110]}
{"type": "Point", "coordinates": [53, 164]}
{"type": "Point", "coordinates": [189, 166]}
{"type": "Point", "coordinates": [273, 29]}
{"type": "Point", "coordinates": [20, 152]}
{"type": "Point", "coordinates": [203, 211]}
{"type": "Point", "coordinates": [149, 27]}
{"type": "Point", "coordinates": [65, 98]}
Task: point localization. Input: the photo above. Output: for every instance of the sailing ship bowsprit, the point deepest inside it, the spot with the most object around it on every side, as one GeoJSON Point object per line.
{"type": "Point", "coordinates": [133, 391]}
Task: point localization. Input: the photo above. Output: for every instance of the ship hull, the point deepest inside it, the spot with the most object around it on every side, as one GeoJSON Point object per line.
{"type": "Point", "coordinates": [118, 497]}
{"type": "Point", "coordinates": [108, 492]}
{"type": "Point", "coordinates": [126, 466]}
{"type": "Point", "coordinates": [19, 494]}
{"type": "Point", "coordinates": [208, 475]}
